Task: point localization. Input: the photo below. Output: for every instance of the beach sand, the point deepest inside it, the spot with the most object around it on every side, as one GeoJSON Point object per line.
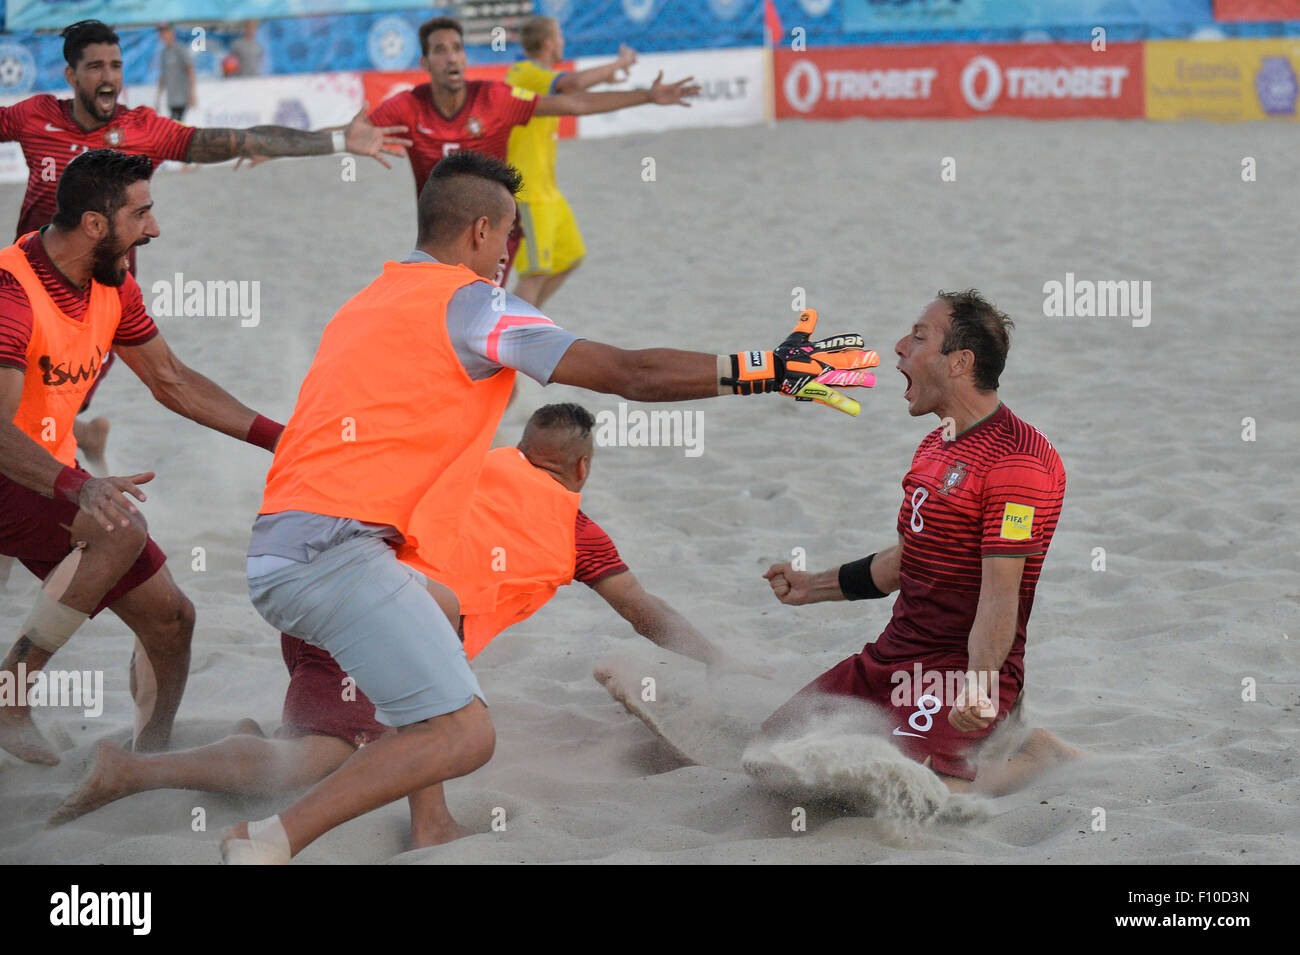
{"type": "Point", "coordinates": [1141, 664]}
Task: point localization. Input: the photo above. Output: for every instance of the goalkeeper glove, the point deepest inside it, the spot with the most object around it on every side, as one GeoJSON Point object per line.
{"type": "Point", "coordinates": [805, 369]}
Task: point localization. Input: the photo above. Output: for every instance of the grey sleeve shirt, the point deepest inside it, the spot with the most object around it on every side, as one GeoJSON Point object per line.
{"type": "Point", "coordinates": [491, 329]}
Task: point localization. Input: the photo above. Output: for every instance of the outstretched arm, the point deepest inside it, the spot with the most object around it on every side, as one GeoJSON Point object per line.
{"type": "Point", "coordinates": [360, 137]}
{"type": "Point", "coordinates": [794, 368]}
{"type": "Point", "coordinates": [647, 374]}
{"type": "Point", "coordinates": [580, 80]}
{"type": "Point", "coordinates": [585, 104]}
{"type": "Point", "coordinates": [657, 621]}
{"type": "Point", "coordinates": [183, 390]}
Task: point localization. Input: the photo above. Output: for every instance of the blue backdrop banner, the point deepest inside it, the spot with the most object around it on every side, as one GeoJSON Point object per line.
{"type": "Point", "coordinates": [56, 14]}
{"type": "Point", "coordinates": [871, 15]}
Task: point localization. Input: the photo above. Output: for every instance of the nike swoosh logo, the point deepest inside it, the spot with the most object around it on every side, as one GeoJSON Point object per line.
{"type": "Point", "coordinates": [898, 732]}
{"type": "Point", "coordinates": [54, 129]}
{"type": "Point", "coordinates": [427, 132]}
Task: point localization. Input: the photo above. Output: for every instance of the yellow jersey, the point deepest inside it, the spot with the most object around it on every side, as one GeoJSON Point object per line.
{"type": "Point", "coordinates": [532, 147]}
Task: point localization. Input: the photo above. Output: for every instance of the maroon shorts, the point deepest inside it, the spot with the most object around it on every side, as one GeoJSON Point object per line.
{"type": "Point", "coordinates": [916, 707]}
{"type": "Point", "coordinates": [30, 530]}
{"type": "Point", "coordinates": [319, 702]}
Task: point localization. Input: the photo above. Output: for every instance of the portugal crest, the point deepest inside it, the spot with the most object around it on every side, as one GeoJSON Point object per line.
{"type": "Point", "coordinates": [474, 127]}
{"type": "Point", "coordinates": [113, 137]}
{"type": "Point", "coordinates": [952, 478]}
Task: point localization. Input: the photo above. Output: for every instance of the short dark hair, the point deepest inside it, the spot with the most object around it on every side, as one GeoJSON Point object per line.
{"type": "Point", "coordinates": [977, 325]}
{"type": "Point", "coordinates": [82, 34]}
{"type": "Point", "coordinates": [96, 181]}
{"type": "Point", "coordinates": [566, 415]}
{"type": "Point", "coordinates": [432, 26]}
{"type": "Point", "coordinates": [557, 431]}
{"type": "Point", "coordinates": [458, 191]}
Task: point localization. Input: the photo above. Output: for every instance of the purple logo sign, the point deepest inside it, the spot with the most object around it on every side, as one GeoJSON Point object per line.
{"type": "Point", "coordinates": [1275, 85]}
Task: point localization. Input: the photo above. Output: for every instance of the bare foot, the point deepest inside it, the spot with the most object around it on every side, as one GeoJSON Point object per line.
{"type": "Point", "coordinates": [439, 835]}
{"type": "Point", "coordinates": [19, 735]}
{"type": "Point", "coordinates": [247, 727]}
{"type": "Point", "coordinates": [107, 780]}
{"type": "Point", "coordinates": [92, 440]}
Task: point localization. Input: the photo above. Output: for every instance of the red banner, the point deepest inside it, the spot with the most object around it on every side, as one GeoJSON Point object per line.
{"type": "Point", "coordinates": [1237, 11]}
{"type": "Point", "coordinates": [381, 84]}
{"type": "Point", "coordinates": [1045, 81]}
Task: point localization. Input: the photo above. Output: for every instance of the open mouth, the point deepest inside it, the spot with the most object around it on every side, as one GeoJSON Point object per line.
{"type": "Point", "coordinates": [908, 393]}
{"type": "Point", "coordinates": [106, 98]}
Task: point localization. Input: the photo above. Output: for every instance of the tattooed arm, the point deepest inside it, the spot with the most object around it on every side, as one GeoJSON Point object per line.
{"type": "Point", "coordinates": [218, 145]}
{"type": "Point", "coordinates": [361, 137]}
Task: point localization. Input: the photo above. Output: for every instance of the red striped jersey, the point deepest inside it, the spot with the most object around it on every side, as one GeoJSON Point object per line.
{"type": "Point", "coordinates": [135, 327]}
{"type": "Point", "coordinates": [482, 124]}
{"type": "Point", "coordinates": [51, 138]}
{"type": "Point", "coordinates": [597, 556]}
{"type": "Point", "coordinates": [995, 490]}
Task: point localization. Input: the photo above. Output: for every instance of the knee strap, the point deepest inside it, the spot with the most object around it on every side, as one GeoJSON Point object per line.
{"type": "Point", "coordinates": [51, 624]}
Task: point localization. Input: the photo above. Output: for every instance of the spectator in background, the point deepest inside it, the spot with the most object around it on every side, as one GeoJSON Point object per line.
{"type": "Point", "coordinates": [247, 52]}
{"type": "Point", "coordinates": [175, 74]}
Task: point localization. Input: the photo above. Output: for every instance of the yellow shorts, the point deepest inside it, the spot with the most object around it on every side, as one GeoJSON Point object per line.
{"type": "Point", "coordinates": [552, 242]}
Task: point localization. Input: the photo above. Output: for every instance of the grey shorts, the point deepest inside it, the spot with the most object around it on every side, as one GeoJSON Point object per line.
{"type": "Point", "coordinates": [373, 615]}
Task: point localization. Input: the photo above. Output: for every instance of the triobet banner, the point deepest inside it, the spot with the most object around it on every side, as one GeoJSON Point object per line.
{"type": "Point", "coordinates": [731, 92]}
{"type": "Point", "coordinates": [1227, 80]}
{"type": "Point", "coordinates": [883, 81]}
{"type": "Point", "coordinates": [57, 14]}
{"type": "Point", "coordinates": [1045, 81]}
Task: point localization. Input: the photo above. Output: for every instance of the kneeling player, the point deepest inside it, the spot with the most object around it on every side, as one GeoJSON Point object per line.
{"type": "Point", "coordinates": [980, 505]}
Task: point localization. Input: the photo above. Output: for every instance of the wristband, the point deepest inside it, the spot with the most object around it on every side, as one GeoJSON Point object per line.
{"type": "Point", "coordinates": [339, 138]}
{"type": "Point", "coordinates": [856, 582]}
{"type": "Point", "coordinates": [68, 484]}
{"type": "Point", "coordinates": [752, 372]}
{"type": "Point", "coordinates": [264, 433]}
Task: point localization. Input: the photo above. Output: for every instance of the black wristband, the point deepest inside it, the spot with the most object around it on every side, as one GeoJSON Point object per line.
{"type": "Point", "coordinates": [856, 582]}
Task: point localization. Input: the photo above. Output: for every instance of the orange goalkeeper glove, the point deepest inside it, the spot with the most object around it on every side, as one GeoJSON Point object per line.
{"type": "Point", "coordinates": [805, 369]}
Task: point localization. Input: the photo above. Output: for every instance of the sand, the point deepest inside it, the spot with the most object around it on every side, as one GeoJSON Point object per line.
{"type": "Point", "coordinates": [1141, 664]}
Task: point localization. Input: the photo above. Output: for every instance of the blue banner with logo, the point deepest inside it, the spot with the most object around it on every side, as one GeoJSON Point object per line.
{"type": "Point", "coordinates": [855, 22]}
{"type": "Point", "coordinates": [596, 27]}
{"type": "Point", "coordinates": [383, 36]}
{"type": "Point", "coordinates": [56, 14]}
{"type": "Point", "coordinates": [878, 15]}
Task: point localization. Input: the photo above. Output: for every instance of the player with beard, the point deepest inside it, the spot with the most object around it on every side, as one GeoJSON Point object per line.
{"type": "Point", "coordinates": [52, 131]}
{"type": "Point", "coordinates": [83, 535]}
